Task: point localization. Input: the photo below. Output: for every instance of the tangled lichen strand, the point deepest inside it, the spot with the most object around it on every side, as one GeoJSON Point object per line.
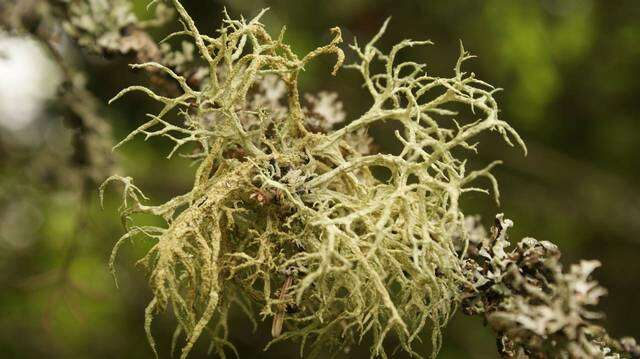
{"type": "Point", "coordinates": [285, 214]}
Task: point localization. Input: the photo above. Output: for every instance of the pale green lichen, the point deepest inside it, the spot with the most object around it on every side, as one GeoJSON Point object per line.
{"type": "Point", "coordinates": [279, 197]}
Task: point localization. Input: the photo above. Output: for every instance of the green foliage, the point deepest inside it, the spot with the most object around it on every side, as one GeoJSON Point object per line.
{"type": "Point", "coordinates": [286, 213]}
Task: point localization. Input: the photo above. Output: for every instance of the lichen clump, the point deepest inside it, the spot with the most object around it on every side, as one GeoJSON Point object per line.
{"type": "Point", "coordinates": [291, 216]}
{"type": "Point", "coordinates": [537, 309]}
{"type": "Point", "coordinates": [111, 27]}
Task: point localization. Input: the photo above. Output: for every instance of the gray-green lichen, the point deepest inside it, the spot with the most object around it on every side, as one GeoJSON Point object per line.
{"type": "Point", "coordinates": [110, 26]}
{"type": "Point", "coordinates": [537, 309]}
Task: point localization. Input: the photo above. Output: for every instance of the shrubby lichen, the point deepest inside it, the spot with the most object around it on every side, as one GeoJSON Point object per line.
{"type": "Point", "coordinates": [280, 196]}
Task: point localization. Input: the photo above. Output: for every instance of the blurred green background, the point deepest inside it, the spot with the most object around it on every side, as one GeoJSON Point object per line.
{"type": "Point", "coordinates": [570, 72]}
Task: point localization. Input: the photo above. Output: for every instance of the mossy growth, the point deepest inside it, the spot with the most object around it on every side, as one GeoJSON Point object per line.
{"type": "Point", "coordinates": [286, 220]}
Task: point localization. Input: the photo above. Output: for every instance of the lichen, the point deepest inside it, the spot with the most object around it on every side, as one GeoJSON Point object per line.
{"type": "Point", "coordinates": [537, 309]}
{"type": "Point", "coordinates": [288, 217]}
{"type": "Point", "coordinates": [111, 27]}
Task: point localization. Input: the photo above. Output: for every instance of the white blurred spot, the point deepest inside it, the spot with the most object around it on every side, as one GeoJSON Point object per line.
{"type": "Point", "coordinates": [28, 77]}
